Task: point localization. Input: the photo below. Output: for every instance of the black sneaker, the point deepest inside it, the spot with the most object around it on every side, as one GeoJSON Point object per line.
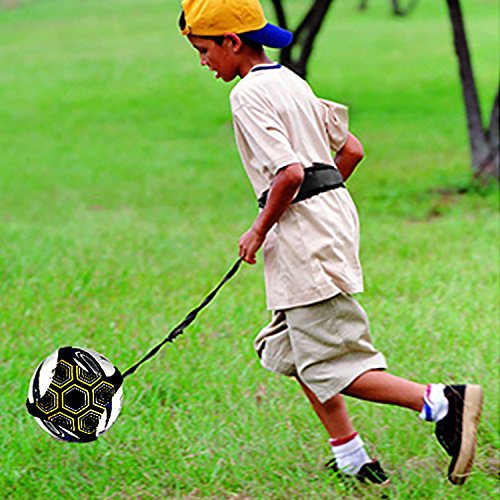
{"type": "Point", "coordinates": [457, 432]}
{"type": "Point", "coordinates": [371, 472]}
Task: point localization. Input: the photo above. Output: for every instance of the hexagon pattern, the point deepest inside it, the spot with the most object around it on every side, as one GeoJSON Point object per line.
{"type": "Point", "coordinates": [85, 376]}
{"type": "Point", "coordinates": [63, 373]}
{"type": "Point", "coordinates": [75, 398]}
{"type": "Point", "coordinates": [89, 421]}
{"type": "Point", "coordinates": [103, 393]}
{"type": "Point", "coordinates": [63, 421]}
{"type": "Point", "coordinates": [48, 402]}
{"type": "Point", "coordinates": [81, 390]}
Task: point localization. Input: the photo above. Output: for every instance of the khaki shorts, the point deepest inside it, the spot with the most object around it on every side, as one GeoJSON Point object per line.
{"type": "Point", "coordinates": [327, 345]}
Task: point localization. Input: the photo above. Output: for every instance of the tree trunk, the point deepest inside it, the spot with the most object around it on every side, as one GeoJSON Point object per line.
{"type": "Point", "coordinates": [296, 55]}
{"type": "Point", "coordinates": [483, 144]}
{"type": "Point", "coordinates": [399, 10]}
{"type": "Point", "coordinates": [491, 166]}
{"type": "Point", "coordinates": [363, 4]}
{"type": "Point", "coordinates": [280, 14]}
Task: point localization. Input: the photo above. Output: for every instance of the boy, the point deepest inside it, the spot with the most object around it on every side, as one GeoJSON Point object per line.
{"type": "Point", "coordinates": [308, 228]}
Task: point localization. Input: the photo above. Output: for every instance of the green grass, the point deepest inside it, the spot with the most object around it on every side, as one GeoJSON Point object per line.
{"type": "Point", "coordinates": [121, 203]}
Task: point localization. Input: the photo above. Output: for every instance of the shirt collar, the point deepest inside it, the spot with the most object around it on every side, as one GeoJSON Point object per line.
{"type": "Point", "coordinates": [262, 67]}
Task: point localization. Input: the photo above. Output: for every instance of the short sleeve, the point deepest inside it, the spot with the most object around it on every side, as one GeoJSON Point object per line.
{"type": "Point", "coordinates": [265, 134]}
{"type": "Point", "coordinates": [335, 117]}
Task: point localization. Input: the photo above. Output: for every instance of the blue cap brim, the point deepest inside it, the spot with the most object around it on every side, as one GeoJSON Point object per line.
{"type": "Point", "coordinates": [270, 36]}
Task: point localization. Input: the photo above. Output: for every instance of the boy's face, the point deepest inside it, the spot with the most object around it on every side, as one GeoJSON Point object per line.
{"type": "Point", "coordinates": [218, 58]}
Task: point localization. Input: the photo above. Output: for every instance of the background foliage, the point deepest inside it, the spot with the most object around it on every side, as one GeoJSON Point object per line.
{"type": "Point", "coordinates": [122, 200]}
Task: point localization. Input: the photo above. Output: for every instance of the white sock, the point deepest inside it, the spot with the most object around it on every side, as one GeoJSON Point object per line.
{"type": "Point", "coordinates": [350, 456]}
{"type": "Point", "coordinates": [435, 403]}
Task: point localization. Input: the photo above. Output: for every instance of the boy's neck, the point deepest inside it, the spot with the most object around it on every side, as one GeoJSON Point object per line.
{"type": "Point", "coordinates": [252, 59]}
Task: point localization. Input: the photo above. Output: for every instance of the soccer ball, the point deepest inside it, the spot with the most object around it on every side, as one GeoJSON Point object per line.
{"type": "Point", "coordinates": [75, 394]}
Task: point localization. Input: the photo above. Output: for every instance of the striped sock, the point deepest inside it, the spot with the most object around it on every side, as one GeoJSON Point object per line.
{"type": "Point", "coordinates": [350, 454]}
{"type": "Point", "coordinates": [435, 403]}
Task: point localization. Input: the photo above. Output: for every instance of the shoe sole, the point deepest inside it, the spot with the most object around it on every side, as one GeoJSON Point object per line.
{"type": "Point", "coordinates": [473, 404]}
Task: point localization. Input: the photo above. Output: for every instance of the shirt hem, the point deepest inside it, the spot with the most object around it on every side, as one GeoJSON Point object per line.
{"type": "Point", "coordinates": [312, 297]}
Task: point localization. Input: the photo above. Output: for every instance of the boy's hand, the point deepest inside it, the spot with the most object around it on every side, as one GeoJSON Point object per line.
{"type": "Point", "coordinates": [250, 243]}
{"type": "Point", "coordinates": [284, 187]}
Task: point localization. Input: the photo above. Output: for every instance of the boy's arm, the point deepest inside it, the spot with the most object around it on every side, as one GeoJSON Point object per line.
{"type": "Point", "coordinates": [283, 190]}
{"type": "Point", "coordinates": [349, 156]}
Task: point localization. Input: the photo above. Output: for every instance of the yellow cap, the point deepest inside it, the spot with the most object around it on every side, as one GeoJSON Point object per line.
{"type": "Point", "coordinates": [217, 17]}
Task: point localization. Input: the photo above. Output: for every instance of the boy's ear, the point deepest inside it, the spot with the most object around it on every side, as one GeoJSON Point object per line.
{"type": "Point", "coordinates": [234, 40]}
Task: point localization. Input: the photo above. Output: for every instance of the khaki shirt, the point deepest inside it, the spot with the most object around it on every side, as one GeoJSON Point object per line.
{"type": "Point", "coordinates": [311, 254]}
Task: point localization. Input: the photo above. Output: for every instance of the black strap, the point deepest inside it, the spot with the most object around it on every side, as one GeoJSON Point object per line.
{"type": "Point", "coordinates": [317, 179]}
{"type": "Point", "coordinates": [179, 329]}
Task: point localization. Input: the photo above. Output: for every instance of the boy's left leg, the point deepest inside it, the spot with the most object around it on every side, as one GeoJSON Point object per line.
{"type": "Point", "coordinates": [456, 410]}
{"type": "Point", "coordinates": [382, 387]}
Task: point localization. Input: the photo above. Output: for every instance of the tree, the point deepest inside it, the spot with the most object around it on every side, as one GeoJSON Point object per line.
{"type": "Point", "coordinates": [398, 8]}
{"type": "Point", "coordinates": [484, 142]}
{"type": "Point", "coordinates": [296, 55]}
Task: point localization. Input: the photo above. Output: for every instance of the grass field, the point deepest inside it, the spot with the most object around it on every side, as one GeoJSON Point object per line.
{"type": "Point", "coordinates": [122, 199]}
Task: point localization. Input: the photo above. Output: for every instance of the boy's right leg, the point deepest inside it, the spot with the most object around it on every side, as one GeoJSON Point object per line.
{"type": "Point", "coordinates": [350, 456]}
{"type": "Point", "coordinates": [332, 414]}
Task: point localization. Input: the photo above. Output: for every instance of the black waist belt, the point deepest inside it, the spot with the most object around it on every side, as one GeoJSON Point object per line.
{"type": "Point", "coordinates": [317, 179]}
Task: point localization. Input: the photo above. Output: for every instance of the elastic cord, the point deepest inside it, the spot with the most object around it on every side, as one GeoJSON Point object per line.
{"type": "Point", "coordinates": [179, 329]}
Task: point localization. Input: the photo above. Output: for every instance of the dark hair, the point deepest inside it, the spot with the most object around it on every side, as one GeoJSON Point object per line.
{"type": "Point", "coordinates": [182, 21]}
{"type": "Point", "coordinates": [220, 39]}
{"type": "Point", "coordinates": [182, 25]}
{"type": "Point", "coordinates": [250, 43]}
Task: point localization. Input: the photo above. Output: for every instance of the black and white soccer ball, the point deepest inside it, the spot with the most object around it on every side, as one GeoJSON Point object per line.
{"type": "Point", "coordinates": [75, 394]}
